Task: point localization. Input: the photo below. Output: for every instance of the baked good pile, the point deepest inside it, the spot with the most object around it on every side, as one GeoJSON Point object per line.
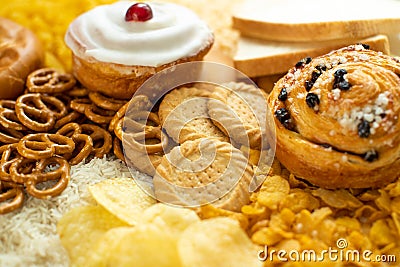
{"type": "Point", "coordinates": [217, 174]}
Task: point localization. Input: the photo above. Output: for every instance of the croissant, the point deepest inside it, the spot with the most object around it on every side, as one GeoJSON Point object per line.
{"type": "Point", "coordinates": [337, 118]}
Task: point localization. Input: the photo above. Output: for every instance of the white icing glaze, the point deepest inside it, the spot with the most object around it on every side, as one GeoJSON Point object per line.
{"type": "Point", "coordinates": [102, 33]}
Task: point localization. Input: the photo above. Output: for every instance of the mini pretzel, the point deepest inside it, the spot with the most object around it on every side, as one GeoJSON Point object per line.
{"type": "Point", "coordinates": [70, 117]}
{"type": "Point", "coordinates": [118, 115]}
{"type": "Point", "coordinates": [40, 175]}
{"type": "Point", "coordinates": [8, 117]}
{"type": "Point", "coordinates": [138, 140]}
{"type": "Point", "coordinates": [9, 136]}
{"type": "Point", "coordinates": [106, 103]}
{"type": "Point", "coordinates": [44, 145]}
{"type": "Point", "coordinates": [39, 112]}
{"type": "Point", "coordinates": [20, 169]}
{"type": "Point", "coordinates": [78, 91]}
{"type": "Point", "coordinates": [99, 115]}
{"type": "Point", "coordinates": [9, 155]}
{"type": "Point", "coordinates": [102, 140]}
{"type": "Point", "coordinates": [83, 148]}
{"type": "Point", "coordinates": [70, 129]}
{"type": "Point", "coordinates": [11, 197]}
{"type": "Point", "coordinates": [80, 104]}
{"type": "Point", "coordinates": [117, 149]}
{"type": "Point", "coordinates": [49, 81]}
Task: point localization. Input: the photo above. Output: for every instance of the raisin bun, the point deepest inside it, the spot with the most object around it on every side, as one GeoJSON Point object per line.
{"type": "Point", "coordinates": [337, 118]}
{"type": "Point", "coordinates": [20, 54]}
{"type": "Point", "coordinates": [117, 47]}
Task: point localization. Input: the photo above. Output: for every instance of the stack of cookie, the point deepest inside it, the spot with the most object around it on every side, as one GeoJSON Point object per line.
{"type": "Point", "coordinates": [195, 143]}
{"type": "Point", "coordinates": [275, 37]}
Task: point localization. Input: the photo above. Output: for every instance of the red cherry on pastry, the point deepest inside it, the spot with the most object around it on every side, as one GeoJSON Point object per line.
{"type": "Point", "coordinates": [139, 12]}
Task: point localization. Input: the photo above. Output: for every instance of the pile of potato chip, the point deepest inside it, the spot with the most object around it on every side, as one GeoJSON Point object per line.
{"type": "Point", "coordinates": [127, 226]}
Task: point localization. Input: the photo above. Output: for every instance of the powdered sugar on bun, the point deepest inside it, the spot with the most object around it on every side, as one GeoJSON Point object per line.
{"type": "Point", "coordinates": [102, 34]}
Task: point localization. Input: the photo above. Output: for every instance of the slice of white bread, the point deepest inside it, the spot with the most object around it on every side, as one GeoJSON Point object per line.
{"type": "Point", "coordinates": [255, 57]}
{"type": "Point", "coordinates": [315, 20]}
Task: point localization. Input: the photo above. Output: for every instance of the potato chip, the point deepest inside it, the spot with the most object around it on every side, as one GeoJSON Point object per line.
{"type": "Point", "coordinates": [339, 199]}
{"type": "Point", "coordinates": [210, 211]}
{"type": "Point", "coordinates": [122, 197]}
{"type": "Point", "coordinates": [217, 242]}
{"type": "Point", "coordinates": [141, 246]}
{"type": "Point", "coordinates": [381, 234]}
{"type": "Point", "coordinates": [170, 218]}
{"type": "Point", "coordinates": [81, 227]}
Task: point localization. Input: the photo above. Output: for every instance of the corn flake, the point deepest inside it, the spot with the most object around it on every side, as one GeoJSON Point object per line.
{"type": "Point", "coordinates": [339, 199]}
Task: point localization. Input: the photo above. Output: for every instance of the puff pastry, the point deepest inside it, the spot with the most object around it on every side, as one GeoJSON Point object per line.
{"type": "Point", "coordinates": [337, 118]}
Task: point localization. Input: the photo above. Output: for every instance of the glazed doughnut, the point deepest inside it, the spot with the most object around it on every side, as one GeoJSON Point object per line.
{"type": "Point", "coordinates": [20, 54]}
{"type": "Point", "coordinates": [337, 118]}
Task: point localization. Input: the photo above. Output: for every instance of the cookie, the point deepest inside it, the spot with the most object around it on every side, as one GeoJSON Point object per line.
{"type": "Point", "coordinates": [239, 110]}
{"type": "Point", "coordinates": [204, 171]}
{"type": "Point", "coordinates": [184, 115]}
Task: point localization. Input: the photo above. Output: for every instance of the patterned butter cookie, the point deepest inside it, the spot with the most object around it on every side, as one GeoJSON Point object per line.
{"type": "Point", "coordinates": [183, 114]}
{"type": "Point", "coordinates": [239, 110]}
{"type": "Point", "coordinates": [204, 171]}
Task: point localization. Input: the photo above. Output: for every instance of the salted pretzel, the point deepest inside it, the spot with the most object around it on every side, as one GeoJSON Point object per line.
{"type": "Point", "coordinates": [39, 112]}
{"type": "Point", "coordinates": [9, 154]}
{"type": "Point", "coordinates": [41, 174]}
{"type": "Point", "coordinates": [105, 102]}
{"type": "Point", "coordinates": [83, 148]}
{"type": "Point", "coordinates": [9, 136]}
{"type": "Point", "coordinates": [136, 122]}
{"type": "Point", "coordinates": [49, 81]}
{"type": "Point", "coordinates": [11, 197]}
{"type": "Point", "coordinates": [117, 149]}
{"type": "Point", "coordinates": [78, 91]}
{"type": "Point", "coordinates": [70, 130]}
{"type": "Point", "coordinates": [73, 116]}
{"type": "Point", "coordinates": [102, 139]}
{"type": "Point", "coordinates": [99, 115]}
{"type": "Point", "coordinates": [8, 117]}
{"type": "Point", "coordinates": [139, 140]}
{"type": "Point", "coordinates": [80, 104]}
{"type": "Point", "coordinates": [44, 145]}
{"type": "Point", "coordinates": [137, 103]}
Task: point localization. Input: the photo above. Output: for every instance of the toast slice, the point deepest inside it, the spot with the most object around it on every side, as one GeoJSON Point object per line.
{"type": "Point", "coordinates": [314, 20]}
{"type": "Point", "coordinates": [255, 57]}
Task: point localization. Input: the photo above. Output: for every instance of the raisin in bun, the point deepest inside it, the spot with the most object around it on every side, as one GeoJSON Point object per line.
{"type": "Point", "coordinates": [20, 54]}
{"type": "Point", "coordinates": [337, 118]}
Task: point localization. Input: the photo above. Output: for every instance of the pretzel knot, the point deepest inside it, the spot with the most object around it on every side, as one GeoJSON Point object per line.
{"type": "Point", "coordinates": [9, 154]}
{"type": "Point", "coordinates": [39, 112]}
{"type": "Point", "coordinates": [11, 197]}
{"type": "Point", "coordinates": [8, 117]}
{"type": "Point", "coordinates": [49, 81]}
{"type": "Point", "coordinates": [44, 145]}
{"type": "Point", "coordinates": [102, 139]}
{"type": "Point", "coordinates": [106, 103]}
{"type": "Point", "coordinates": [151, 140]}
{"type": "Point", "coordinates": [51, 169]}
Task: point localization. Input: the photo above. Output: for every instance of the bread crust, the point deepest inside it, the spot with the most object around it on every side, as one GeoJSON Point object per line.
{"type": "Point", "coordinates": [280, 62]}
{"type": "Point", "coordinates": [20, 54]}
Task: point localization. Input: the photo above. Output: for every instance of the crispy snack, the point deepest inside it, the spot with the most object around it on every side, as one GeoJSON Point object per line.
{"type": "Point", "coordinates": [9, 154]}
{"type": "Point", "coordinates": [11, 197]}
{"type": "Point", "coordinates": [39, 112]}
{"type": "Point", "coordinates": [131, 200]}
{"type": "Point", "coordinates": [80, 104]}
{"type": "Point", "coordinates": [83, 148]}
{"type": "Point", "coordinates": [106, 102]}
{"type": "Point", "coordinates": [137, 141]}
{"type": "Point", "coordinates": [99, 115]}
{"type": "Point", "coordinates": [30, 173]}
{"type": "Point", "coordinates": [8, 117]}
{"type": "Point", "coordinates": [102, 139]}
{"type": "Point", "coordinates": [49, 81]}
{"type": "Point", "coordinates": [78, 91]}
{"type": "Point", "coordinates": [137, 122]}
{"type": "Point", "coordinates": [43, 145]}
{"type": "Point", "coordinates": [117, 149]}
{"type": "Point", "coordinates": [9, 136]}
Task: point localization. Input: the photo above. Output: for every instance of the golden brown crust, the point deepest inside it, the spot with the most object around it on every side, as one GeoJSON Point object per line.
{"type": "Point", "coordinates": [121, 81]}
{"type": "Point", "coordinates": [20, 54]}
{"type": "Point", "coordinates": [351, 137]}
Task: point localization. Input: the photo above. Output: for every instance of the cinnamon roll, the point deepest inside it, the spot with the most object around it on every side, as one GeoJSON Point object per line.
{"type": "Point", "coordinates": [337, 118]}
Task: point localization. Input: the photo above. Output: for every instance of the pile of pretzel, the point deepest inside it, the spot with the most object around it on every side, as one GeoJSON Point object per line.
{"type": "Point", "coordinates": [56, 123]}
